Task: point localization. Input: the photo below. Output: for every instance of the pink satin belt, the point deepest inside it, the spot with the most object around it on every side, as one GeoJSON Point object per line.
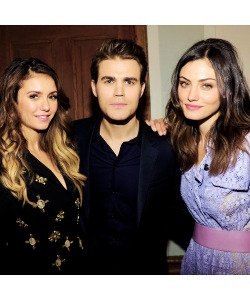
{"type": "Point", "coordinates": [224, 240]}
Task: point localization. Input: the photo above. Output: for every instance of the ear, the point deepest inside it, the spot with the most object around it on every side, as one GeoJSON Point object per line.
{"type": "Point", "coordinates": [93, 86]}
{"type": "Point", "coordinates": [142, 89]}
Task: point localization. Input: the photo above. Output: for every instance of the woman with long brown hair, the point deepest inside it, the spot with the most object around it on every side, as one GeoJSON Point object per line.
{"type": "Point", "coordinates": [40, 186]}
{"type": "Point", "coordinates": [209, 120]}
{"type": "Point", "coordinates": [208, 116]}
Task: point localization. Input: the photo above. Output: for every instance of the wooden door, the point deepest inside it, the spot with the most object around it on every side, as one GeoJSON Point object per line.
{"type": "Point", "coordinates": [68, 49]}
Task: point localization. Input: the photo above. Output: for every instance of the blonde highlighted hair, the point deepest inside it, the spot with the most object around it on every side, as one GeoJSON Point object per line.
{"type": "Point", "coordinates": [56, 140]}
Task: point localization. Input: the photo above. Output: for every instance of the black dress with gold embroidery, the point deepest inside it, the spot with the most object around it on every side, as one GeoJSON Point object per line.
{"type": "Point", "coordinates": [44, 238]}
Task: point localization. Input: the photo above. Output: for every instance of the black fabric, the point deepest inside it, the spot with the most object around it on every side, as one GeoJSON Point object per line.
{"type": "Point", "coordinates": [19, 222]}
{"type": "Point", "coordinates": [156, 192]}
{"type": "Point", "coordinates": [113, 189]}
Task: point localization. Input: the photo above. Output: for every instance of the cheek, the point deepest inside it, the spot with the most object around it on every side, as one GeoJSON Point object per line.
{"type": "Point", "coordinates": [213, 99]}
{"type": "Point", "coordinates": [55, 107]}
{"type": "Point", "coordinates": [180, 93]}
{"type": "Point", "coordinates": [26, 108]}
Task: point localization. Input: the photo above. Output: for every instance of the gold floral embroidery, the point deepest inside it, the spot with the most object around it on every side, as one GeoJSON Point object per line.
{"type": "Point", "coordinates": [41, 179]}
{"type": "Point", "coordinates": [60, 216]}
{"type": "Point", "coordinates": [80, 243]}
{"type": "Point", "coordinates": [32, 241]}
{"type": "Point", "coordinates": [21, 223]}
{"type": "Point", "coordinates": [55, 236]}
{"type": "Point", "coordinates": [67, 243]}
{"type": "Point", "coordinates": [77, 203]}
{"type": "Point", "coordinates": [58, 262]}
{"type": "Point", "coordinates": [40, 203]}
{"type": "Point", "coordinates": [77, 219]}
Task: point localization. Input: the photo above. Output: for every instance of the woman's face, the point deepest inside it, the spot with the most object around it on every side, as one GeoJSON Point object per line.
{"type": "Point", "coordinates": [198, 92]}
{"type": "Point", "coordinates": [37, 102]}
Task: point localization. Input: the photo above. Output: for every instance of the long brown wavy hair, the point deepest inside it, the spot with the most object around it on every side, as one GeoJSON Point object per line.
{"type": "Point", "coordinates": [56, 140]}
{"type": "Point", "coordinates": [227, 135]}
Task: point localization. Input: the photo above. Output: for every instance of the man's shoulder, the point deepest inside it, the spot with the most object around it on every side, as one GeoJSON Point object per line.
{"type": "Point", "coordinates": [148, 133]}
{"type": "Point", "coordinates": [83, 128]}
{"type": "Point", "coordinates": [84, 122]}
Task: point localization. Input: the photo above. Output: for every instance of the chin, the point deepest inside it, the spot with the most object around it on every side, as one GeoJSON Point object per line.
{"type": "Point", "coordinates": [192, 116]}
{"type": "Point", "coordinates": [120, 119]}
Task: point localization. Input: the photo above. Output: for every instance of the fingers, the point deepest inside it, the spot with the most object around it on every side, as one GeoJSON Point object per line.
{"type": "Point", "coordinates": [158, 125]}
{"type": "Point", "coordinates": [161, 128]}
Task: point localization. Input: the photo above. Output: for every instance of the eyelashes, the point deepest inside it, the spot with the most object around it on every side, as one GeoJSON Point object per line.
{"type": "Point", "coordinates": [205, 86]}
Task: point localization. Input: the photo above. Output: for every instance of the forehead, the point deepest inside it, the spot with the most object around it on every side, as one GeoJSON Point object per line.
{"type": "Point", "coordinates": [119, 67]}
{"type": "Point", "coordinates": [37, 80]}
{"type": "Point", "coordinates": [200, 68]}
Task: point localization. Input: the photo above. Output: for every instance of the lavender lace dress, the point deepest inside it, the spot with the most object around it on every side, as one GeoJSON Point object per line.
{"type": "Point", "coordinates": [221, 202]}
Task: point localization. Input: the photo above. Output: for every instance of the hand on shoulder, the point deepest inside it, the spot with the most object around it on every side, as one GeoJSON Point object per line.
{"type": "Point", "coordinates": [158, 125]}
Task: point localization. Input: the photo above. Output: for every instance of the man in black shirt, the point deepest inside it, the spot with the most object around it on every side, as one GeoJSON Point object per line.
{"type": "Point", "coordinates": [130, 169]}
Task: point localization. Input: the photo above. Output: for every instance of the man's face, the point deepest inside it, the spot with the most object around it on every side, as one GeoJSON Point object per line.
{"type": "Point", "coordinates": [118, 88]}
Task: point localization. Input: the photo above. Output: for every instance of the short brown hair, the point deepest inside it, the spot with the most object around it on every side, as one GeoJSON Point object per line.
{"type": "Point", "coordinates": [124, 49]}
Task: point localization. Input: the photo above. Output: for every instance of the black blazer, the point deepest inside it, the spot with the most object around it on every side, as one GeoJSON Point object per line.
{"type": "Point", "coordinates": [156, 192]}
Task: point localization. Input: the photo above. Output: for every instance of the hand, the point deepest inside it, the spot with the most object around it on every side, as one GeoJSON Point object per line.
{"type": "Point", "coordinates": [158, 125]}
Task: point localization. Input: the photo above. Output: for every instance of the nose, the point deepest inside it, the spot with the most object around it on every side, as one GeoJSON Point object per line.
{"type": "Point", "coordinates": [193, 94]}
{"type": "Point", "coordinates": [45, 105]}
{"type": "Point", "coordinates": [119, 89]}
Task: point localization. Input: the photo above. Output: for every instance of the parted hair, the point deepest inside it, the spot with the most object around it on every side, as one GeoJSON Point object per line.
{"type": "Point", "coordinates": [56, 140]}
{"type": "Point", "coordinates": [227, 135]}
{"type": "Point", "coordinates": [123, 49]}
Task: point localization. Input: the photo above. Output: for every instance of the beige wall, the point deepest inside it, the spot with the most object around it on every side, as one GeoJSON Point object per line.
{"type": "Point", "coordinates": [239, 36]}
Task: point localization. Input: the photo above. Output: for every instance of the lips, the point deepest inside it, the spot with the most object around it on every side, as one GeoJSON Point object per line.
{"type": "Point", "coordinates": [43, 117]}
{"type": "Point", "coordinates": [192, 107]}
{"type": "Point", "coordinates": [118, 105]}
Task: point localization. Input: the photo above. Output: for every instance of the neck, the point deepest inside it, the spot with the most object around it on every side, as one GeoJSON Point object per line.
{"type": "Point", "coordinates": [206, 125]}
{"type": "Point", "coordinates": [32, 137]}
{"type": "Point", "coordinates": [122, 131]}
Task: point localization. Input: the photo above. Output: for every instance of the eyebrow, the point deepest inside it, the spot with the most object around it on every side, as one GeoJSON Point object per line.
{"type": "Point", "coordinates": [38, 92]}
{"type": "Point", "coordinates": [125, 78]}
{"type": "Point", "coordinates": [201, 80]}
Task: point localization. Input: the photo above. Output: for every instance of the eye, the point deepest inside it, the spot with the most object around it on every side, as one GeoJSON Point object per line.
{"type": "Point", "coordinates": [207, 86]}
{"type": "Point", "coordinates": [33, 96]}
{"type": "Point", "coordinates": [129, 82]}
{"type": "Point", "coordinates": [184, 83]}
{"type": "Point", "coordinates": [53, 97]}
{"type": "Point", "coordinates": [108, 81]}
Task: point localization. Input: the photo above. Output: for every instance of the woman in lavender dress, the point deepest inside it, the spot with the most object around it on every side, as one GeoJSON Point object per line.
{"type": "Point", "coordinates": [209, 120]}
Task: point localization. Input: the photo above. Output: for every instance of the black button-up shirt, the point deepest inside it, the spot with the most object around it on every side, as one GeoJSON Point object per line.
{"type": "Point", "coordinates": [113, 188]}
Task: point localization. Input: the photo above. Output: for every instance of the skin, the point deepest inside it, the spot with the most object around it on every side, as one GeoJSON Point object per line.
{"type": "Point", "coordinates": [198, 93]}
{"type": "Point", "coordinates": [118, 90]}
{"type": "Point", "coordinates": [36, 105]}
{"type": "Point", "coordinates": [158, 125]}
